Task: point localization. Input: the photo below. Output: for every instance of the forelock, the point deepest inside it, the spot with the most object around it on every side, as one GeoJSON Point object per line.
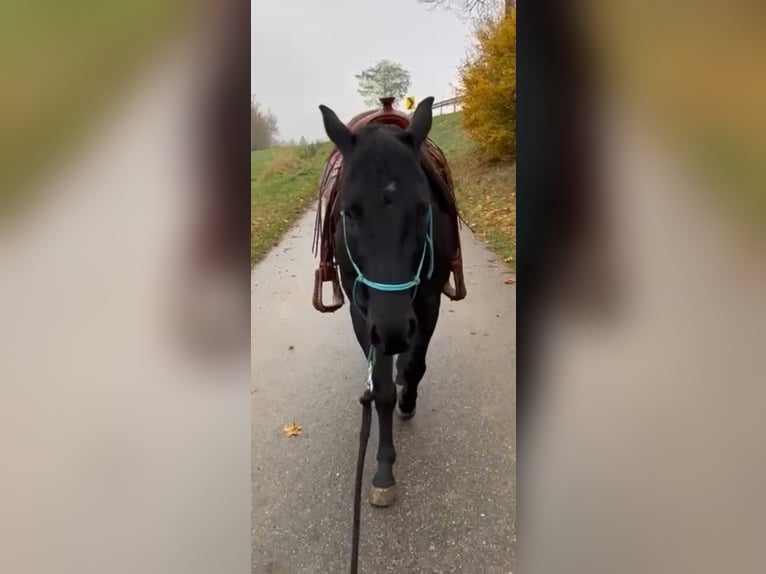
{"type": "Point", "coordinates": [379, 150]}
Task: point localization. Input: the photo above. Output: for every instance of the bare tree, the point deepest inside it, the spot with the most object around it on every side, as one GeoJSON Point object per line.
{"type": "Point", "coordinates": [473, 8]}
{"type": "Point", "coordinates": [263, 127]}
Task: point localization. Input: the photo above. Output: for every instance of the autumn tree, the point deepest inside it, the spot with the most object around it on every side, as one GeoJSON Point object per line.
{"type": "Point", "coordinates": [384, 79]}
{"type": "Point", "coordinates": [488, 88]}
{"type": "Point", "coordinates": [263, 127]}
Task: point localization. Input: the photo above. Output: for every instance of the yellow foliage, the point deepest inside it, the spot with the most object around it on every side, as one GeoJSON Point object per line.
{"type": "Point", "coordinates": [488, 89]}
{"type": "Point", "coordinates": [292, 429]}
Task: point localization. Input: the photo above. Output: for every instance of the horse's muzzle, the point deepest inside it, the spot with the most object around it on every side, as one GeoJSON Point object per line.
{"type": "Point", "coordinates": [393, 337]}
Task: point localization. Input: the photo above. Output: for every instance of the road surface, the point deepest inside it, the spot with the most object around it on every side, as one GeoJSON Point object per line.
{"type": "Point", "coordinates": [455, 460]}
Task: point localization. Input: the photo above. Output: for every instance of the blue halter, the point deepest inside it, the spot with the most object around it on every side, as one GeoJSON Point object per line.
{"type": "Point", "coordinates": [394, 287]}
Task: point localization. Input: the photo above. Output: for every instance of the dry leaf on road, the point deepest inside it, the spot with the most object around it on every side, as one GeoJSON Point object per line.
{"type": "Point", "coordinates": [510, 281]}
{"type": "Point", "coordinates": [292, 430]}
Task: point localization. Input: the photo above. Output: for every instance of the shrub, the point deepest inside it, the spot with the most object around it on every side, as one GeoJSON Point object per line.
{"type": "Point", "coordinates": [285, 161]}
{"type": "Point", "coordinates": [488, 89]}
{"type": "Point", "coordinates": [309, 150]}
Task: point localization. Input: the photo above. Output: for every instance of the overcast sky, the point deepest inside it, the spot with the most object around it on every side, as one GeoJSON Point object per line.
{"type": "Point", "coordinates": [306, 52]}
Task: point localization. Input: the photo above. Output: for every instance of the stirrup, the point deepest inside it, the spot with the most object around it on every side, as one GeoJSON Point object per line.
{"type": "Point", "coordinates": [456, 292]}
{"type": "Point", "coordinates": [327, 273]}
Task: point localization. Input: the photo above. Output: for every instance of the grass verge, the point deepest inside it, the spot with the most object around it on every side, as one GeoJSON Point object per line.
{"type": "Point", "coordinates": [283, 182]}
{"type": "Point", "coordinates": [486, 193]}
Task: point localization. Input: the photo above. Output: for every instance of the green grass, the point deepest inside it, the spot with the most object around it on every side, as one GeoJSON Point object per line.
{"type": "Point", "coordinates": [284, 181]}
{"type": "Point", "coordinates": [448, 134]}
{"type": "Point", "coordinates": [486, 193]}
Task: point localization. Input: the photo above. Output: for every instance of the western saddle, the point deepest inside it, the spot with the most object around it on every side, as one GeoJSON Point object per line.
{"type": "Point", "coordinates": [434, 163]}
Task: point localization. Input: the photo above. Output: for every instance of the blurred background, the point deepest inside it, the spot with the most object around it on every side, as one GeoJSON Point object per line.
{"type": "Point", "coordinates": [125, 405]}
{"type": "Point", "coordinates": [641, 298]}
{"type": "Point", "coordinates": [124, 306]}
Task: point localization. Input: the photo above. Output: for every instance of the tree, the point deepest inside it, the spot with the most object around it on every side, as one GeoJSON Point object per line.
{"type": "Point", "coordinates": [263, 127]}
{"type": "Point", "coordinates": [488, 88]}
{"type": "Point", "coordinates": [471, 8]}
{"type": "Point", "coordinates": [384, 79]}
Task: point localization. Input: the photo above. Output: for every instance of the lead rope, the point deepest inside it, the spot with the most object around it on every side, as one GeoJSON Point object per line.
{"type": "Point", "coordinates": [364, 436]}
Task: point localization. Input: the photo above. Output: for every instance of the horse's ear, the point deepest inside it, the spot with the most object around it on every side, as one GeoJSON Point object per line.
{"type": "Point", "coordinates": [336, 130]}
{"type": "Point", "coordinates": [420, 124]}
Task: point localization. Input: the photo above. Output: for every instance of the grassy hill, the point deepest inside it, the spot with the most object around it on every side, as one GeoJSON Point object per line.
{"type": "Point", "coordinates": [486, 194]}
{"type": "Point", "coordinates": [284, 181]}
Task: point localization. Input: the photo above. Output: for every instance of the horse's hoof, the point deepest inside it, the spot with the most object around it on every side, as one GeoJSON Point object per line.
{"type": "Point", "coordinates": [382, 497]}
{"type": "Point", "coordinates": [406, 416]}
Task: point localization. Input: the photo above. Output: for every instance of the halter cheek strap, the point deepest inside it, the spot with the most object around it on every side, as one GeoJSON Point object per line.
{"type": "Point", "coordinates": [394, 287]}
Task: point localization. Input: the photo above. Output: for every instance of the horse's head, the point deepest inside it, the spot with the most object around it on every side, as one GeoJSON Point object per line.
{"type": "Point", "coordinates": [385, 203]}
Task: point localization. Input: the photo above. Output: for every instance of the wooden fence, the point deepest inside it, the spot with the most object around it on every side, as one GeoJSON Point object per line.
{"type": "Point", "coordinates": [454, 103]}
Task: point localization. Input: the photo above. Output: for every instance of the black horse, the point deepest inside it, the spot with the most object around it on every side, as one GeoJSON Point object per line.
{"type": "Point", "coordinates": [393, 243]}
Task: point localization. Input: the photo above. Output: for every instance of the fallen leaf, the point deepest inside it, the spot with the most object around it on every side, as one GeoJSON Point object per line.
{"type": "Point", "coordinates": [510, 281]}
{"type": "Point", "coordinates": [292, 430]}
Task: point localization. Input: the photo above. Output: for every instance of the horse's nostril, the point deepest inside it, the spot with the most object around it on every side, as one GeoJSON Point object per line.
{"type": "Point", "coordinates": [412, 328]}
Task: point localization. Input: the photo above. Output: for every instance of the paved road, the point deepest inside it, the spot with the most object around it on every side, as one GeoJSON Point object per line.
{"type": "Point", "coordinates": [456, 458]}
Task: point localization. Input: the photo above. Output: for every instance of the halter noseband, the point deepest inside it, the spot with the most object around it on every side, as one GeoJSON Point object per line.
{"type": "Point", "coordinates": [394, 287]}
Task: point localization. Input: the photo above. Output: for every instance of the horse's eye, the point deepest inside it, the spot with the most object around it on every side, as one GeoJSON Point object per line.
{"type": "Point", "coordinates": [352, 212]}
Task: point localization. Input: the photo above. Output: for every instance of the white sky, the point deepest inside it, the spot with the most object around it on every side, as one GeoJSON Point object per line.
{"type": "Point", "coordinates": [306, 52]}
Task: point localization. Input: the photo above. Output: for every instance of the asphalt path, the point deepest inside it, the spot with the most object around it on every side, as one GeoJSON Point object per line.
{"type": "Point", "coordinates": [456, 459]}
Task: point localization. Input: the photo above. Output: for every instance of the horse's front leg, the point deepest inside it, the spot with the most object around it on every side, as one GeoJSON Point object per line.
{"type": "Point", "coordinates": [383, 491]}
{"type": "Point", "coordinates": [411, 366]}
